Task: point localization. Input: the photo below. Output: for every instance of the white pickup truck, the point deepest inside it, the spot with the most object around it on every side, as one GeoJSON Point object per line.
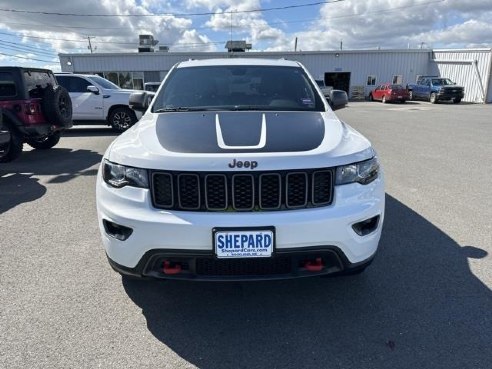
{"type": "Point", "coordinates": [324, 88]}
{"type": "Point", "coordinates": [97, 100]}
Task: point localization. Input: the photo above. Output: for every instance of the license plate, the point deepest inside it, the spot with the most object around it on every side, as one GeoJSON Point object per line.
{"type": "Point", "coordinates": [243, 242]}
{"type": "Point", "coordinates": [400, 97]}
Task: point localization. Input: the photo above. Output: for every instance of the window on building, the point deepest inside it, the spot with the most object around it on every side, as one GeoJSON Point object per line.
{"type": "Point", "coordinates": [125, 79]}
{"type": "Point", "coordinates": [397, 79]}
{"type": "Point", "coordinates": [371, 80]}
{"type": "Point", "coordinates": [138, 79]}
{"type": "Point", "coordinates": [113, 77]}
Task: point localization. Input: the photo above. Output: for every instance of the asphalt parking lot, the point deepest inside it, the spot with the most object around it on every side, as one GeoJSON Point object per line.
{"type": "Point", "coordinates": [425, 302]}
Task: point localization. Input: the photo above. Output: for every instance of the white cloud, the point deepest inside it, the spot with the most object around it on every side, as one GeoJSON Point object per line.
{"type": "Point", "coordinates": [359, 24]}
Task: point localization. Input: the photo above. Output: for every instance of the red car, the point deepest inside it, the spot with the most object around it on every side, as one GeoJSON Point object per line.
{"type": "Point", "coordinates": [389, 92]}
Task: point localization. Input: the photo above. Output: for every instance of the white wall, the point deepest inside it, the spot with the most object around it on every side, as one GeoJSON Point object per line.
{"type": "Point", "coordinates": [384, 64]}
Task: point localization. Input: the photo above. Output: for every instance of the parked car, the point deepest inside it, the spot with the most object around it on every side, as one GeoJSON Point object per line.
{"type": "Point", "coordinates": [435, 89]}
{"type": "Point", "coordinates": [239, 170]}
{"type": "Point", "coordinates": [98, 101]}
{"type": "Point", "coordinates": [388, 92]}
{"type": "Point", "coordinates": [34, 109]}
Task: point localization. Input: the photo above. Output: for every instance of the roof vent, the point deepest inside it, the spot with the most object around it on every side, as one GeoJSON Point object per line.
{"type": "Point", "coordinates": [237, 46]}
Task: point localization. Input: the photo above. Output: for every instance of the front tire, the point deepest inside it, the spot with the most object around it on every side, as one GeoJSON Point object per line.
{"type": "Point", "coordinates": [371, 98]}
{"type": "Point", "coordinates": [121, 119]}
{"type": "Point", "coordinates": [44, 143]}
{"type": "Point", "coordinates": [433, 98]}
{"type": "Point", "coordinates": [13, 148]}
{"type": "Point", "coordinates": [457, 100]}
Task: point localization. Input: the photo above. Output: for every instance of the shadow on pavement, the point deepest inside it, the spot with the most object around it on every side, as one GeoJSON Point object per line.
{"type": "Point", "coordinates": [417, 306]}
{"type": "Point", "coordinates": [18, 182]}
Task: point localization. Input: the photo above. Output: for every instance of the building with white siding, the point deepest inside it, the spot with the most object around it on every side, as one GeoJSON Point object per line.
{"type": "Point", "coordinates": [355, 71]}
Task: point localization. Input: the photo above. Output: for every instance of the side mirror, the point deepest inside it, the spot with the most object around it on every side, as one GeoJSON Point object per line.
{"type": "Point", "coordinates": [93, 89]}
{"type": "Point", "coordinates": [338, 99]}
{"type": "Point", "coordinates": [140, 101]}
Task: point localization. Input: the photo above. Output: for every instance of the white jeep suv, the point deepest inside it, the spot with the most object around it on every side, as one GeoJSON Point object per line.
{"type": "Point", "coordinates": [239, 170]}
{"type": "Point", "coordinates": [97, 100]}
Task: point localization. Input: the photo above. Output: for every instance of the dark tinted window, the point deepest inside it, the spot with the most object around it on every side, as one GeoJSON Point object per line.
{"type": "Point", "coordinates": [73, 84]}
{"type": "Point", "coordinates": [36, 81]}
{"type": "Point", "coordinates": [397, 87]}
{"type": "Point", "coordinates": [239, 88]}
{"type": "Point", "coordinates": [7, 85]}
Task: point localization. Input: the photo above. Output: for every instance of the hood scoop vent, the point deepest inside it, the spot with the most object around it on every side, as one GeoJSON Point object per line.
{"type": "Point", "coordinates": [223, 145]}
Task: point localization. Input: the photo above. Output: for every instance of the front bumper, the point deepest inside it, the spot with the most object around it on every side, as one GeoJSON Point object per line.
{"type": "Point", "coordinates": [321, 236]}
{"type": "Point", "coordinates": [447, 95]}
{"type": "Point", "coordinates": [204, 266]}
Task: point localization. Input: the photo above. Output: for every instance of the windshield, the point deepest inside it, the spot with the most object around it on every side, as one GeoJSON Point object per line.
{"type": "Point", "coordinates": [104, 83]}
{"type": "Point", "coordinates": [442, 82]}
{"type": "Point", "coordinates": [238, 88]}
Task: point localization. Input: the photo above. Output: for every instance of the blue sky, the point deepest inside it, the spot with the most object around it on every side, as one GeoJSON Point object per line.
{"type": "Point", "coordinates": [36, 38]}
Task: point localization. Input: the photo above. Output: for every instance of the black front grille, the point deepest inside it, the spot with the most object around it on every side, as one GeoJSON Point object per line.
{"type": "Point", "coordinates": [244, 191]}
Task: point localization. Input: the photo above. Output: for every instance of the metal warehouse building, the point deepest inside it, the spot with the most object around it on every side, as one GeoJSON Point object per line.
{"type": "Point", "coordinates": [355, 71]}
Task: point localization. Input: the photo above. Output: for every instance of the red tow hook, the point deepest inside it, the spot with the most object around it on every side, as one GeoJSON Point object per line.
{"type": "Point", "coordinates": [314, 266]}
{"type": "Point", "coordinates": [168, 269]}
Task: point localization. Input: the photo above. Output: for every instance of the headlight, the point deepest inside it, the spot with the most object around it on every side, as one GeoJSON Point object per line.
{"type": "Point", "coordinates": [120, 176]}
{"type": "Point", "coordinates": [363, 172]}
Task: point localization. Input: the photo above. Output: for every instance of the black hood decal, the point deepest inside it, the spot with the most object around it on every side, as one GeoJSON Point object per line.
{"type": "Point", "coordinates": [223, 132]}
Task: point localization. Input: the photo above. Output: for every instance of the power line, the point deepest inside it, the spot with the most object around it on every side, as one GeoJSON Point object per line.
{"type": "Point", "coordinates": [25, 48]}
{"type": "Point", "coordinates": [60, 26]}
{"type": "Point", "coordinates": [105, 42]}
{"type": "Point", "coordinates": [24, 57]}
{"type": "Point", "coordinates": [234, 26]}
{"type": "Point", "coordinates": [259, 10]}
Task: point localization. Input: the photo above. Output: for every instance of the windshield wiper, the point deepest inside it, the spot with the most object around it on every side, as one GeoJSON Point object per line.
{"type": "Point", "coordinates": [185, 108]}
{"type": "Point", "coordinates": [252, 107]}
{"type": "Point", "coordinates": [168, 109]}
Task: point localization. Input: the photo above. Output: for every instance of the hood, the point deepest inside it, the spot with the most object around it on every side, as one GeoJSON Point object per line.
{"type": "Point", "coordinates": [209, 140]}
{"type": "Point", "coordinates": [453, 87]}
{"type": "Point", "coordinates": [125, 91]}
{"type": "Point", "coordinates": [235, 132]}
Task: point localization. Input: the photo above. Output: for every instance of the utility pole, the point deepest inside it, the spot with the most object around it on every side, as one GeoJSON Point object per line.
{"type": "Point", "coordinates": [231, 24]}
{"type": "Point", "coordinates": [90, 45]}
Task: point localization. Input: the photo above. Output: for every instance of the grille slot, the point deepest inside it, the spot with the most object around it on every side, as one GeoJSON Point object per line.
{"type": "Point", "coordinates": [270, 191]}
{"type": "Point", "coordinates": [189, 191]}
{"type": "Point", "coordinates": [322, 187]}
{"type": "Point", "coordinates": [216, 191]}
{"type": "Point", "coordinates": [243, 193]}
{"type": "Point", "coordinates": [162, 184]}
{"type": "Point", "coordinates": [297, 195]}
{"type": "Point", "coordinates": [256, 191]}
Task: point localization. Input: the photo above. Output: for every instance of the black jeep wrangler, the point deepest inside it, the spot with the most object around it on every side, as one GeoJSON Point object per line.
{"type": "Point", "coordinates": [33, 109]}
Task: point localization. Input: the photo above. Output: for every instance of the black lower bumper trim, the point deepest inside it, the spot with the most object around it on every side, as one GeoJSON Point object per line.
{"type": "Point", "coordinates": [204, 266]}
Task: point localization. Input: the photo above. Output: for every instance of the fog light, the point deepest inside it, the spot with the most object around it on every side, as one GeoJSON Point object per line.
{"type": "Point", "coordinates": [366, 226]}
{"type": "Point", "coordinates": [116, 230]}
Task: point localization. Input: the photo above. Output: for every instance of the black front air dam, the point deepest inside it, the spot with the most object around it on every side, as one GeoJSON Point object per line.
{"type": "Point", "coordinates": [204, 266]}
